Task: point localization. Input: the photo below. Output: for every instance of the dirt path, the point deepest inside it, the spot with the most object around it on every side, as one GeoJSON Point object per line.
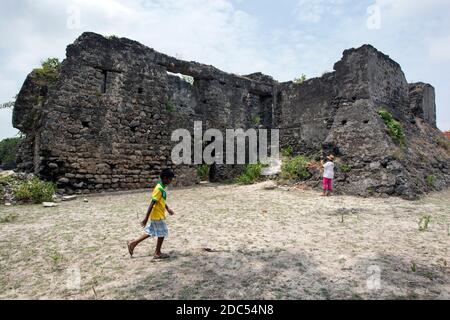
{"type": "Point", "coordinates": [268, 244]}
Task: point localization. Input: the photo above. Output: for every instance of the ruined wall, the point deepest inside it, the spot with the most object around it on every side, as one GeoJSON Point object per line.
{"type": "Point", "coordinates": [342, 108]}
{"type": "Point", "coordinates": [307, 113]}
{"type": "Point", "coordinates": [105, 124]}
{"type": "Point", "coordinates": [422, 100]}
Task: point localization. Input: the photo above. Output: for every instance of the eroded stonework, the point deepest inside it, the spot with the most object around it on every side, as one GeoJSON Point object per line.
{"type": "Point", "coordinates": [106, 123]}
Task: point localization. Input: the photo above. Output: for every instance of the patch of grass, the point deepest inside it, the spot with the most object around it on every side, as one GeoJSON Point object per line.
{"type": "Point", "coordinates": [430, 180]}
{"type": "Point", "coordinates": [170, 106]}
{"type": "Point", "coordinates": [287, 152]}
{"type": "Point", "coordinates": [203, 172]}
{"type": "Point", "coordinates": [424, 222]}
{"type": "Point", "coordinates": [56, 258]}
{"type": "Point", "coordinates": [429, 275]}
{"type": "Point", "coordinates": [413, 267]}
{"type": "Point", "coordinates": [295, 168]}
{"type": "Point", "coordinates": [394, 127]}
{"type": "Point", "coordinates": [256, 120]}
{"type": "Point", "coordinates": [34, 190]}
{"type": "Point", "coordinates": [345, 168]}
{"type": "Point", "coordinates": [251, 174]}
{"type": "Point", "coordinates": [11, 217]}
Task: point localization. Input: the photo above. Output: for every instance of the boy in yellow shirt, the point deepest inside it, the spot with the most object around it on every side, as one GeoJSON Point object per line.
{"type": "Point", "coordinates": [157, 214]}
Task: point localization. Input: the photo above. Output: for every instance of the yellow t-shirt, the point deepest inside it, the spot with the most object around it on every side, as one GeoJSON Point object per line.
{"type": "Point", "coordinates": [159, 195]}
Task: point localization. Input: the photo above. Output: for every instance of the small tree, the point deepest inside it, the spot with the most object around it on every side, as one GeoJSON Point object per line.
{"type": "Point", "coordinates": [8, 151]}
{"type": "Point", "coordinates": [49, 70]}
{"type": "Point", "coordinates": [300, 80]}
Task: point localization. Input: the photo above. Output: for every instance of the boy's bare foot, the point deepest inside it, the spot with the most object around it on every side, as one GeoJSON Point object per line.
{"type": "Point", "coordinates": [161, 256]}
{"type": "Point", "coordinates": [130, 248]}
{"type": "Point", "coordinates": [323, 195]}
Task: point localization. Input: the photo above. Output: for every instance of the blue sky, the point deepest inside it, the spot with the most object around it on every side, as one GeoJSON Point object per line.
{"type": "Point", "coordinates": [281, 38]}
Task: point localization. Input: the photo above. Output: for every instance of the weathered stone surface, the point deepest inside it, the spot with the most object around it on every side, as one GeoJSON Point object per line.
{"type": "Point", "coordinates": [106, 123]}
{"type": "Point", "coordinates": [422, 99]}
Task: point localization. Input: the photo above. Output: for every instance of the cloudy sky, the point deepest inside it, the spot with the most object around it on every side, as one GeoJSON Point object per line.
{"type": "Point", "coordinates": [283, 38]}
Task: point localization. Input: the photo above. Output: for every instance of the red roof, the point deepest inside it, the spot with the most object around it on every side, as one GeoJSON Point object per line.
{"type": "Point", "coordinates": [447, 134]}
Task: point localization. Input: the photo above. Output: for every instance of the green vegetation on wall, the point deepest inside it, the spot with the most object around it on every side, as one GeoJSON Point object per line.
{"type": "Point", "coordinates": [300, 80]}
{"type": "Point", "coordinates": [395, 128]}
{"type": "Point", "coordinates": [48, 73]}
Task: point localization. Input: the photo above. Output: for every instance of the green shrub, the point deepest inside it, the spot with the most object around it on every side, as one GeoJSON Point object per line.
{"type": "Point", "coordinates": [48, 73]}
{"type": "Point", "coordinates": [251, 174]}
{"type": "Point", "coordinates": [203, 172]}
{"type": "Point", "coordinates": [287, 152]}
{"type": "Point", "coordinates": [430, 180]}
{"type": "Point", "coordinates": [34, 190]}
{"type": "Point", "coordinates": [300, 80]}
{"type": "Point", "coordinates": [8, 151]}
{"type": "Point", "coordinates": [345, 168]}
{"type": "Point", "coordinates": [295, 168]}
{"type": "Point", "coordinates": [395, 128]}
{"type": "Point", "coordinates": [256, 120]}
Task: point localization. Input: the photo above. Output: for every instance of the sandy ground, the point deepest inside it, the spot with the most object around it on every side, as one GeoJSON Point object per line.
{"type": "Point", "coordinates": [268, 244]}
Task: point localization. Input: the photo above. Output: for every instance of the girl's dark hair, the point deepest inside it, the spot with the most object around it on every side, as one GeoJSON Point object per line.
{"type": "Point", "coordinates": [167, 173]}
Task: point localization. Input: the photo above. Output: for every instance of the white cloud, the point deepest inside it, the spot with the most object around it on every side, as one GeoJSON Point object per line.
{"type": "Point", "coordinates": [313, 11]}
{"type": "Point", "coordinates": [439, 49]}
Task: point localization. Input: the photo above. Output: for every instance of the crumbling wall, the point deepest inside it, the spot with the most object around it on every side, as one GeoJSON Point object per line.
{"type": "Point", "coordinates": [307, 113]}
{"type": "Point", "coordinates": [106, 123]}
{"type": "Point", "coordinates": [422, 99]}
{"type": "Point", "coordinates": [338, 113]}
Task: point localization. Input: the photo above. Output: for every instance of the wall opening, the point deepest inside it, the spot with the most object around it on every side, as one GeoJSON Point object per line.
{"type": "Point", "coordinates": [105, 79]}
{"type": "Point", "coordinates": [183, 77]}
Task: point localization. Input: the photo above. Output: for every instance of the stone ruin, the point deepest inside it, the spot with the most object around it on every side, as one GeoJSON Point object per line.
{"type": "Point", "coordinates": [105, 124]}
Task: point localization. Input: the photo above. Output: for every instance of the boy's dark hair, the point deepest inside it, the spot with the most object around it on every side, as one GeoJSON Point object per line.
{"type": "Point", "coordinates": [167, 173]}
